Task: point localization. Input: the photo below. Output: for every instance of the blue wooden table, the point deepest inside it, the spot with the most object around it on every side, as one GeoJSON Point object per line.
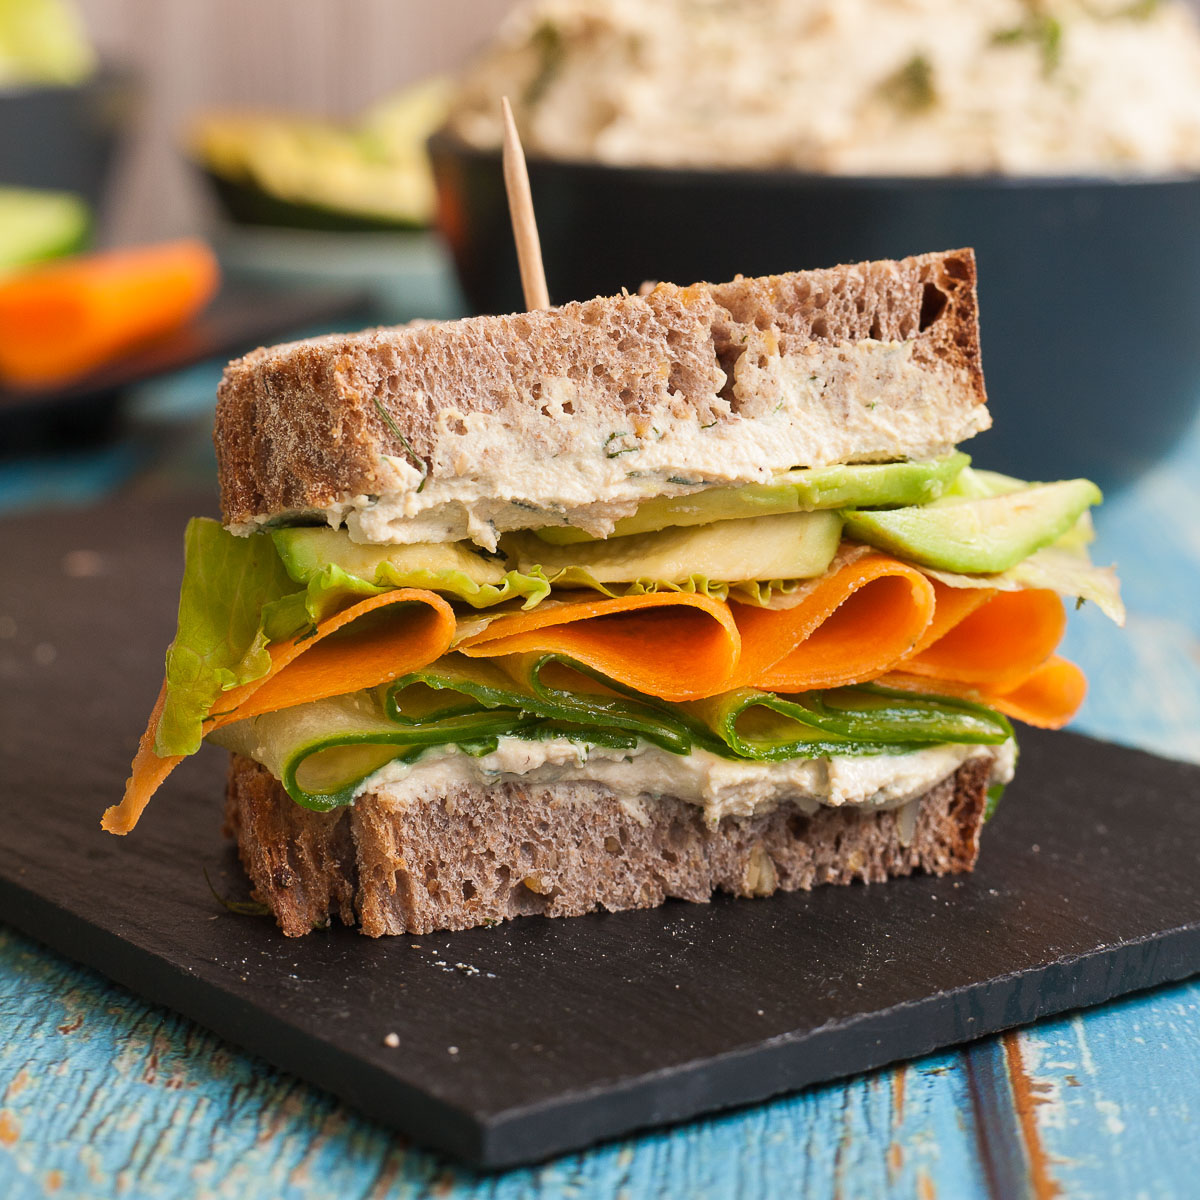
{"type": "Point", "coordinates": [102, 1095]}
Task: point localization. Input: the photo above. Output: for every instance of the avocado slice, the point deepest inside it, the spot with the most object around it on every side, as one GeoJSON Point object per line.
{"type": "Point", "coordinates": [36, 225]}
{"type": "Point", "coordinates": [782, 546]}
{"type": "Point", "coordinates": [972, 483]}
{"type": "Point", "coordinates": [858, 485]}
{"type": "Point", "coordinates": [308, 550]}
{"type": "Point", "coordinates": [977, 536]}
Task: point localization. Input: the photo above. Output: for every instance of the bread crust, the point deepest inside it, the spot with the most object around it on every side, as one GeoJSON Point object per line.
{"type": "Point", "coordinates": [305, 425]}
{"type": "Point", "coordinates": [480, 855]}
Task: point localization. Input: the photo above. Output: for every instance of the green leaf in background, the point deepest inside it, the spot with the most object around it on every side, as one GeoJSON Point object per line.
{"type": "Point", "coordinates": [43, 41]}
{"type": "Point", "coordinates": [36, 225]}
{"type": "Point", "coordinates": [220, 642]}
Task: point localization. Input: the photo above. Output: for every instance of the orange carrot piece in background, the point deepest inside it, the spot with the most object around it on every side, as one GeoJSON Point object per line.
{"type": "Point", "coordinates": [67, 318]}
{"type": "Point", "coordinates": [306, 669]}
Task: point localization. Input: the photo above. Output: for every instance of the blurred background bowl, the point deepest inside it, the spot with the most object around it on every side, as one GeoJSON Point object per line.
{"type": "Point", "coordinates": [245, 203]}
{"type": "Point", "coordinates": [65, 137]}
{"type": "Point", "coordinates": [1089, 288]}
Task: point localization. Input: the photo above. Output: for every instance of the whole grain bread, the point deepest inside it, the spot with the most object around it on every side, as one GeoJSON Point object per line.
{"type": "Point", "coordinates": [475, 856]}
{"type": "Point", "coordinates": [302, 426]}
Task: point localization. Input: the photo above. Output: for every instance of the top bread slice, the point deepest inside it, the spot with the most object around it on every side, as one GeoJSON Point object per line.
{"type": "Point", "coordinates": [868, 362]}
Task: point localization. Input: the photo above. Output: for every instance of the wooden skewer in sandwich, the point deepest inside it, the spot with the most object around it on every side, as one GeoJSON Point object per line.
{"type": "Point", "coordinates": [520, 207]}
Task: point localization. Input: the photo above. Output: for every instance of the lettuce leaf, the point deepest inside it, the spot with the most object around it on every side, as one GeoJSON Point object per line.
{"type": "Point", "coordinates": [229, 583]}
{"type": "Point", "coordinates": [238, 597]}
{"type": "Point", "coordinates": [1067, 572]}
{"type": "Point", "coordinates": [761, 593]}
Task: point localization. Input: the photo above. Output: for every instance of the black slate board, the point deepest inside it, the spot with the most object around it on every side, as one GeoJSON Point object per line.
{"type": "Point", "coordinates": [540, 1036]}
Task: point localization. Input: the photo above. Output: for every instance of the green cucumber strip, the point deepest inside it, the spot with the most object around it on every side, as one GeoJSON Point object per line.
{"type": "Point", "coordinates": [322, 751]}
{"type": "Point", "coordinates": [548, 687]}
{"type": "Point", "coordinates": [860, 720]}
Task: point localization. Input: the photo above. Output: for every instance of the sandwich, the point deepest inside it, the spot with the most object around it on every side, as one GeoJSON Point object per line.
{"type": "Point", "coordinates": [641, 597]}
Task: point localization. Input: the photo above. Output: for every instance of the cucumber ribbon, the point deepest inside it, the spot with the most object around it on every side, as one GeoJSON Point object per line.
{"type": "Point", "coordinates": [324, 750]}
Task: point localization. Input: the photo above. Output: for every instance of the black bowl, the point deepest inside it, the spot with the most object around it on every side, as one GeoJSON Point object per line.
{"type": "Point", "coordinates": [65, 137]}
{"type": "Point", "coordinates": [1089, 288]}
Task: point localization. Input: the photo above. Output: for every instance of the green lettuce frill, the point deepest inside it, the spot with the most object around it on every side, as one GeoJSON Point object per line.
{"type": "Point", "coordinates": [239, 595]}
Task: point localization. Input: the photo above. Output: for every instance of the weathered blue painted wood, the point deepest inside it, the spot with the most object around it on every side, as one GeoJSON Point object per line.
{"type": "Point", "coordinates": [1115, 1095]}
{"type": "Point", "coordinates": [101, 1095]}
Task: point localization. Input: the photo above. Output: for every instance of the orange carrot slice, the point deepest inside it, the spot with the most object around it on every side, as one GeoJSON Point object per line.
{"type": "Point", "coordinates": [852, 626]}
{"type": "Point", "coordinates": [306, 669]}
{"type": "Point", "coordinates": [65, 319]}
{"type": "Point", "coordinates": [1048, 697]}
{"type": "Point", "coordinates": [999, 644]}
{"type": "Point", "coordinates": [953, 606]}
{"type": "Point", "coordinates": [675, 645]}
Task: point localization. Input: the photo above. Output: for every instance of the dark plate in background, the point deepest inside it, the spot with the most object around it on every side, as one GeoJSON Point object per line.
{"type": "Point", "coordinates": [66, 136]}
{"type": "Point", "coordinates": [241, 317]}
{"type": "Point", "coordinates": [1089, 288]}
{"type": "Point", "coordinates": [541, 1036]}
{"type": "Point", "coordinates": [245, 203]}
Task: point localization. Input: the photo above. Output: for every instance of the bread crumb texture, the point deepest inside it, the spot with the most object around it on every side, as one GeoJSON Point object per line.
{"type": "Point", "coordinates": [304, 426]}
{"type": "Point", "coordinates": [478, 856]}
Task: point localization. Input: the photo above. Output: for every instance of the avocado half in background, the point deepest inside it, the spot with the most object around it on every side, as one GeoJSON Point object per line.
{"type": "Point", "coordinates": [43, 42]}
{"type": "Point", "coordinates": [37, 225]}
{"type": "Point", "coordinates": [306, 173]}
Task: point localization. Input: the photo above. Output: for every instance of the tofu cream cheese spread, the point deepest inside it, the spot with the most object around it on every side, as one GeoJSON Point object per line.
{"type": "Point", "coordinates": [530, 467]}
{"type": "Point", "coordinates": [722, 787]}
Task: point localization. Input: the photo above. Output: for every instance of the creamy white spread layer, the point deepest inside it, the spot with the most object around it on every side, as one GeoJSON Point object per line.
{"type": "Point", "coordinates": [848, 86]}
{"type": "Point", "coordinates": [539, 464]}
{"type": "Point", "coordinates": [720, 786]}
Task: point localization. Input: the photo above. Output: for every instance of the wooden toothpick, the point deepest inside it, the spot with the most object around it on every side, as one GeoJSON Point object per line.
{"type": "Point", "coordinates": [520, 208]}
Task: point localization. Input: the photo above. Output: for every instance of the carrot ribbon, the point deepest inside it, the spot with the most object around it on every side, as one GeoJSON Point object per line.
{"type": "Point", "coordinates": [872, 618]}
{"type": "Point", "coordinates": [674, 645]}
{"type": "Point", "coordinates": [370, 647]}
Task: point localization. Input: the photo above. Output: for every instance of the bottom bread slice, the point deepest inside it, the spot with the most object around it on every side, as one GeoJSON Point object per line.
{"type": "Point", "coordinates": [476, 855]}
